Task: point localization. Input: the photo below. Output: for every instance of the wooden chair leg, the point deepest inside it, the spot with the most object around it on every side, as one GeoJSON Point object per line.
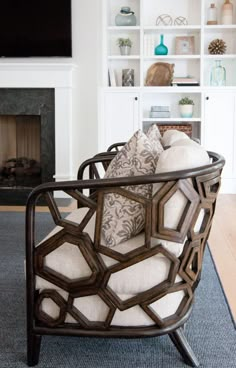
{"type": "Point", "coordinates": [33, 349]}
{"type": "Point", "coordinates": [179, 340]}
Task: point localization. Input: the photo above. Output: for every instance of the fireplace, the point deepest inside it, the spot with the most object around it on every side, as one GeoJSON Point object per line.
{"type": "Point", "coordinates": [20, 152]}
{"type": "Point", "coordinates": [27, 141]}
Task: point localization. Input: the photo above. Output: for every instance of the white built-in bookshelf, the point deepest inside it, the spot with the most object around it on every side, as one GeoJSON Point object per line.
{"type": "Point", "coordinates": [132, 104]}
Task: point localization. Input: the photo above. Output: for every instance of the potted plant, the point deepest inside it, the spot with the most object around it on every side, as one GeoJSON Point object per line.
{"type": "Point", "coordinates": [124, 45]}
{"type": "Point", "coordinates": [186, 107]}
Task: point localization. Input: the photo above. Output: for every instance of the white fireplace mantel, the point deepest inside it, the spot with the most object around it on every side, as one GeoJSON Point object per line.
{"type": "Point", "coordinates": [61, 77]}
{"type": "Point", "coordinates": [45, 75]}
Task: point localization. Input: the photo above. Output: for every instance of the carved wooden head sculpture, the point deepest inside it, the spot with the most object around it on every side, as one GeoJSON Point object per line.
{"type": "Point", "coordinates": [160, 74]}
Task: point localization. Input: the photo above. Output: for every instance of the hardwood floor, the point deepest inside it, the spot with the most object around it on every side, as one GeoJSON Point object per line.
{"type": "Point", "coordinates": [71, 207]}
{"type": "Point", "coordinates": [222, 242]}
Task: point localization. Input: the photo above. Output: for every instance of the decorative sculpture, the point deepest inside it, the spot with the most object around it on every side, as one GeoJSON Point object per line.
{"type": "Point", "coordinates": [217, 47]}
{"type": "Point", "coordinates": [164, 20]}
{"type": "Point", "coordinates": [160, 74]}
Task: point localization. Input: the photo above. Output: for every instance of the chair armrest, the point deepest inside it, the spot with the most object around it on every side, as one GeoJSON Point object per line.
{"type": "Point", "coordinates": [75, 188]}
{"type": "Point", "coordinates": [93, 167]}
{"type": "Point", "coordinates": [116, 146]}
{"type": "Point", "coordinates": [103, 158]}
{"type": "Point", "coordinates": [79, 185]}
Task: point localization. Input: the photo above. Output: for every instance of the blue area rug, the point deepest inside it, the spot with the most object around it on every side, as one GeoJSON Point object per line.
{"type": "Point", "coordinates": [210, 330]}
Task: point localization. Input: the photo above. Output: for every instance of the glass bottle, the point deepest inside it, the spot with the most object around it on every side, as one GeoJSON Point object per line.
{"type": "Point", "coordinates": [161, 49]}
{"type": "Point", "coordinates": [218, 74]}
{"type": "Point", "coordinates": [227, 12]}
{"type": "Point", "coordinates": [212, 15]}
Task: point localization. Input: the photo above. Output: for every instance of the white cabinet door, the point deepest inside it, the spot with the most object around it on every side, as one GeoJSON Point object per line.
{"type": "Point", "coordinates": [219, 131]}
{"type": "Point", "coordinates": [121, 117]}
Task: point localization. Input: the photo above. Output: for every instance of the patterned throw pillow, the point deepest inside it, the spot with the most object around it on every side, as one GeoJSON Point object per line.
{"type": "Point", "coordinates": [154, 137]}
{"type": "Point", "coordinates": [122, 217]}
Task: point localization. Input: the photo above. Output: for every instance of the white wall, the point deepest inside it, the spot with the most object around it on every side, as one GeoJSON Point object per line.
{"type": "Point", "coordinates": [86, 23]}
{"type": "Point", "coordinates": [86, 35]}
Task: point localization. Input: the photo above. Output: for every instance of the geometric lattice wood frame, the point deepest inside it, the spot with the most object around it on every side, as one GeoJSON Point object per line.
{"type": "Point", "coordinates": [191, 262]}
{"type": "Point", "coordinates": [158, 210]}
{"type": "Point", "coordinates": [84, 243]}
{"type": "Point", "coordinates": [208, 213]}
{"type": "Point", "coordinates": [57, 299]}
{"type": "Point", "coordinates": [209, 186]}
{"type": "Point", "coordinates": [199, 186]}
{"type": "Point", "coordinates": [183, 307]}
{"type": "Point", "coordinates": [84, 321]}
{"type": "Point", "coordinates": [145, 295]}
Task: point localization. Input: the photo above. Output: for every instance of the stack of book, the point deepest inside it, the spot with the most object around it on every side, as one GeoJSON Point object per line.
{"type": "Point", "coordinates": [185, 81]}
{"type": "Point", "coordinates": [160, 112]}
{"type": "Point", "coordinates": [148, 45]}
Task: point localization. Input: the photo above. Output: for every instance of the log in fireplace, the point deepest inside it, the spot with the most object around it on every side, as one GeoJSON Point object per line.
{"type": "Point", "coordinates": [20, 164]}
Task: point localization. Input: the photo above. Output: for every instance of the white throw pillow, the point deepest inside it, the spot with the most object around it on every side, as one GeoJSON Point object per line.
{"type": "Point", "coordinates": [182, 158]}
{"type": "Point", "coordinates": [171, 136]}
{"type": "Point", "coordinates": [186, 142]}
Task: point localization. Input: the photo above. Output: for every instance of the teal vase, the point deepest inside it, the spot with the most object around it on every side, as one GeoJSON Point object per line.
{"type": "Point", "coordinates": [161, 49]}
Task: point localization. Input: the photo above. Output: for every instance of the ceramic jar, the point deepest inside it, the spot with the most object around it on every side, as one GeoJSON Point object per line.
{"type": "Point", "coordinates": [125, 17]}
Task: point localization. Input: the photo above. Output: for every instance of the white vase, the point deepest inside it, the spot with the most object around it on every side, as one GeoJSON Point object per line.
{"type": "Point", "coordinates": [227, 12]}
{"type": "Point", "coordinates": [186, 111]}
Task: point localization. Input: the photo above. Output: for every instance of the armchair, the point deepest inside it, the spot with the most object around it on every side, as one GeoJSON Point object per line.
{"type": "Point", "coordinates": [136, 289]}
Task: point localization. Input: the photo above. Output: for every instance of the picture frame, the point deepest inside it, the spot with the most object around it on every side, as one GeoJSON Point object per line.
{"type": "Point", "coordinates": [184, 45]}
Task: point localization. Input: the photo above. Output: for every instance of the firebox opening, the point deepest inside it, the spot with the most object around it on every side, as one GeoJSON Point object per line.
{"type": "Point", "coordinates": [20, 151]}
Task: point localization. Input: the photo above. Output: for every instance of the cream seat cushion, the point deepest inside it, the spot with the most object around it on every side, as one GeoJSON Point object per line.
{"type": "Point", "coordinates": [132, 280]}
{"type": "Point", "coordinates": [94, 309]}
{"type": "Point", "coordinates": [125, 284]}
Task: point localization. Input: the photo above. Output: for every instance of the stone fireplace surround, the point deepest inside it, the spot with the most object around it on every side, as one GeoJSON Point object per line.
{"type": "Point", "coordinates": [56, 76]}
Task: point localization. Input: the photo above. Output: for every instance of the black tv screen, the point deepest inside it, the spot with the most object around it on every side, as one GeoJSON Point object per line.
{"type": "Point", "coordinates": [35, 28]}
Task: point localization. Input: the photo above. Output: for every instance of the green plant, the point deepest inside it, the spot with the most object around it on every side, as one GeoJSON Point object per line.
{"type": "Point", "coordinates": [186, 101]}
{"type": "Point", "coordinates": [124, 42]}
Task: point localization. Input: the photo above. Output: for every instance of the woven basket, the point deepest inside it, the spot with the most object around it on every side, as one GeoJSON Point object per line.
{"type": "Point", "coordinates": [186, 128]}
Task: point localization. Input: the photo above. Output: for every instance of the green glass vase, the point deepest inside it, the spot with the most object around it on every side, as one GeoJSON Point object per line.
{"type": "Point", "coordinates": [161, 49]}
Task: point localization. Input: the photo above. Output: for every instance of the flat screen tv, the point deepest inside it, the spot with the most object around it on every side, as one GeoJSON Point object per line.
{"type": "Point", "coordinates": [35, 28]}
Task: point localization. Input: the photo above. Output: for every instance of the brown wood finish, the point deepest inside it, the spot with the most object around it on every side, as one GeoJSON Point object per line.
{"type": "Point", "coordinates": [115, 146]}
{"type": "Point", "coordinates": [201, 195]}
{"type": "Point", "coordinates": [179, 340]}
